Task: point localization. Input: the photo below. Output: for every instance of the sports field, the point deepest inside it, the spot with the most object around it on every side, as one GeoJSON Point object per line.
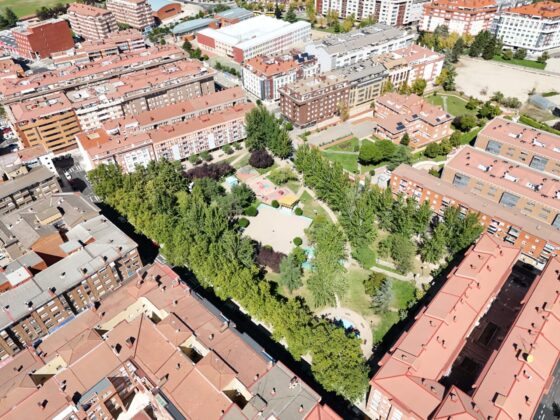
{"type": "Point", "coordinates": [26, 7]}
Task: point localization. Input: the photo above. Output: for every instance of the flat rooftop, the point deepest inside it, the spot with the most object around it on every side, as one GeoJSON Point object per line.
{"type": "Point", "coordinates": [34, 176]}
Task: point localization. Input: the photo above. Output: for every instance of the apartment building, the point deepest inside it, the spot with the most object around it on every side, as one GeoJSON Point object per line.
{"type": "Point", "coordinates": [260, 35]}
{"type": "Point", "coordinates": [9, 69]}
{"type": "Point", "coordinates": [537, 244]}
{"type": "Point", "coordinates": [407, 384]}
{"type": "Point", "coordinates": [423, 63]}
{"type": "Point", "coordinates": [342, 50]}
{"type": "Point", "coordinates": [135, 13]}
{"type": "Point", "coordinates": [41, 39]}
{"type": "Point", "coordinates": [263, 76]}
{"type": "Point", "coordinates": [397, 114]}
{"type": "Point", "coordinates": [87, 73]}
{"type": "Point", "coordinates": [32, 185]}
{"type": "Point", "coordinates": [91, 22]}
{"type": "Point", "coordinates": [388, 12]}
{"type": "Point", "coordinates": [533, 27]}
{"type": "Point", "coordinates": [177, 112]}
{"type": "Point", "coordinates": [313, 100]}
{"type": "Point", "coordinates": [397, 68]}
{"type": "Point", "coordinates": [37, 228]}
{"type": "Point", "coordinates": [141, 91]}
{"type": "Point", "coordinates": [155, 327]}
{"type": "Point", "coordinates": [98, 257]}
{"type": "Point", "coordinates": [49, 121]}
{"type": "Point", "coordinates": [512, 185]}
{"type": "Point", "coordinates": [175, 141]}
{"type": "Point", "coordinates": [537, 149]}
{"type": "Point", "coordinates": [466, 17]}
{"type": "Point", "coordinates": [366, 80]}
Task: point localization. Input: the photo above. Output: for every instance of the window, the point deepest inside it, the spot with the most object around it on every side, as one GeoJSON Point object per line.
{"type": "Point", "coordinates": [556, 222]}
{"type": "Point", "coordinates": [538, 162]}
{"type": "Point", "coordinates": [461, 180]}
{"type": "Point", "coordinates": [509, 200]}
{"type": "Point", "coordinates": [493, 147]}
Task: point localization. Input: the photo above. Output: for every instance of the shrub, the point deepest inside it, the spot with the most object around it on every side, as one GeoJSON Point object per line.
{"type": "Point", "coordinates": [227, 149]}
{"type": "Point", "coordinates": [275, 204]}
{"type": "Point", "coordinates": [237, 146]}
{"type": "Point", "coordinates": [243, 222]}
{"type": "Point", "coordinates": [297, 241]}
{"type": "Point", "coordinates": [251, 211]}
{"type": "Point", "coordinates": [267, 257]}
{"type": "Point", "coordinates": [261, 159]}
{"type": "Point", "coordinates": [282, 175]}
{"type": "Point", "coordinates": [298, 211]}
{"type": "Point", "coordinates": [206, 156]}
{"type": "Point", "coordinates": [194, 159]}
{"type": "Point", "coordinates": [289, 126]}
{"type": "Point", "coordinates": [215, 171]}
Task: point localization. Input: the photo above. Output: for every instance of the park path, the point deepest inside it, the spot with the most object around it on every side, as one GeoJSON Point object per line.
{"type": "Point", "coordinates": [358, 321]}
{"type": "Point", "coordinates": [444, 103]}
{"type": "Point", "coordinates": [327, 209]}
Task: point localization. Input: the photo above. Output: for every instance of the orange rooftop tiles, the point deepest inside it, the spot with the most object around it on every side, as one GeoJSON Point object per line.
{"type": "Point", "coordinates": [545, 9]}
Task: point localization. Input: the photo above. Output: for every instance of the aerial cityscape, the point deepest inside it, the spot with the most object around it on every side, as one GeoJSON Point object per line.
{"type": "Point", "coordinates": [299, 209]}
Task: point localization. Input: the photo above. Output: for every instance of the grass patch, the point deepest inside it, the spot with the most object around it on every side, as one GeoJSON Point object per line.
{"type": "Point", "coordinates": [351, 145]}
{"type": "Point", "coordinates": [548, 94]}
{"type": "Point", "coordinates": [524, 119]}
{"type": "Point", "coordinates": [385, 267]}
{"type": "Point", "coordinates": [310, 206]}
{"type": "Point", "coordinates": [265, 170]}
{"type": "Point", "coordinates": [244, 161]}
{"type": "Point", "coordinates": [467, 138]}
{"type": "Point", "coordinates": [388, 319]}
{"type": "Point", "coordinates": [524, 63]}
{"type": "Point", "coordinates": [25, 7]}
{"type": "Point", "coordinates": [355, 297]}
{"type": "Point", "coordinates": [347, 161]}
{"type": "Point", "coordinates": [365, 256]}
{"type": "Point", "coordinates": [403, 293]}
{"type": "Point", "coordinates": [293, 185]}
{"type": "Point", "coordinates": [455, 105]}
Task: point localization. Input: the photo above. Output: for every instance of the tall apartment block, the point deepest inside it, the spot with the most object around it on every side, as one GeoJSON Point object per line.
{"type": "Point", "coordinates": [483, 348]}
{"type": "Point", "coordinates": [343, 50]}
{"type": "Point", "coordinates": [466, 17]}
{"type": "Point", "coordinates": [533, 27]}
{"type": "Point", "coordinates": [525, 145]}
{"type": "Point", "coordinates": [263, 76]}
{"type": "Point", "coordinates": [175, 141]}
{"type": "Point", "coordinates": [91, 22]}
{"type": "Point", "coordinates": [49, 121]}
{"type": "Point", "coordinates": [313, 100]}
{"type": "Point", "coordinates": [136, 13]}
{"type": "Point", "coordinates": [152, 349]}
{"type": "Point", "coordinates": [512, 185]}
{"type": "Point", "coordinates": [41, 39]}
{"type": "Point", "coordinates": [537, 243]}
{"type": "Point", "coordinates": [388, 12]}
{"type": "Point", "coordinates": [87, 72]}
{"type": "Point", "coordinates": [26, 188]}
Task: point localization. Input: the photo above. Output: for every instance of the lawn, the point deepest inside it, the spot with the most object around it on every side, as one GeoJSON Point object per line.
{"type": "Point", "coordinates": [351, 145]}
{"type": "Point", "coordinates": [388, 319]}
{"type": "Point", "coordinates": [403, 293]}
{"type": "Point", "coordinates": [455, 105]}
{"type": "Point", "coordinates": [355, 297]}
{"type": "Point", "coordinates": [244, 161]}
{"type": "Point", "coordinates": [348, 161]}
{"type": "Point", "coordinates": [26, 7]}
{"type": "Point", "coordinates": [525, 63]}
{"type": "Point", "coordinates": [310, 207]}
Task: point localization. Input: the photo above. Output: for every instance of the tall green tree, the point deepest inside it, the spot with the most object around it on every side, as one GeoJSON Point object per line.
{"type": "Point", "coordinates": [290, 273]}
{"type": "Point", "coordinates": [357, 217]}
{"type": "Point", "coordinates": [291, 15]}
{"type": "Point", "coordinates": [457, 50]}
{"type": "Point", "coordinates": [433, 246]}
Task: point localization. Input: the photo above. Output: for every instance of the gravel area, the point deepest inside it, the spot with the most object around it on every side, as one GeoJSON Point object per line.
{"type": "Point", "coordinates": [475, 76]}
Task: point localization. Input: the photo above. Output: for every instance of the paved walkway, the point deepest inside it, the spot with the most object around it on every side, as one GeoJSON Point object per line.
{"type": "Point", "coordinates": [358, 321]}
{"type": "Point", "coordinates": [327, 209]}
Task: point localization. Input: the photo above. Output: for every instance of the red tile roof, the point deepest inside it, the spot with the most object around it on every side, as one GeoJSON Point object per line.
{"type": "Point", "coordinates": [545, 9]}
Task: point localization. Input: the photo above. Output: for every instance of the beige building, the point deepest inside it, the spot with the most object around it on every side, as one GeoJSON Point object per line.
{"type": "Point", "coordinates": [24, 189]}
{"type": "Point", "coordinates": [136, 13]}
{"type": "Point", "coordinates": [47, 120]}
{"type": "Point", "coordinates": [91, 22]}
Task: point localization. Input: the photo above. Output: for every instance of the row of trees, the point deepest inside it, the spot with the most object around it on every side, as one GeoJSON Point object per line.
{"type": "Point", "coordinates": [8, 19]}
{"type": "Point", "coordinates": [194, 230]}
{"type": "Point", "coordinates": [385, 151]}
{"type": "Point", "coordinates": [362, 209]}
{"type": "Point", "coordinates": [266, 132]}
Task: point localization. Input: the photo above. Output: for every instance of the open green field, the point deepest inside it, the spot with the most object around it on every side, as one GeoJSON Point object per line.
{"type": "Point", "coordinates": [524, 63]}
{"type": "Point", "coordinates": [26, 7]}
{"type": "Point", "coordinates": [347, 161]}
{"type": "Point", "coordinates": [351, 145]}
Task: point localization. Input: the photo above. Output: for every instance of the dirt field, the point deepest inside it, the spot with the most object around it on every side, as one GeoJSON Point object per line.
{"type": "Point", "coordinates": [476, 76]}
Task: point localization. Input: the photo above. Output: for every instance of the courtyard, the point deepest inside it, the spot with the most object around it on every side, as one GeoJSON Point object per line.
{"type": "Point", "coordinates": [277, 228]}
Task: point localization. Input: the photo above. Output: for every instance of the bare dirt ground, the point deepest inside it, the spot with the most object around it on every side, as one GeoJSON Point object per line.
{"type": "Point", "coordinates": [481, 78]}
